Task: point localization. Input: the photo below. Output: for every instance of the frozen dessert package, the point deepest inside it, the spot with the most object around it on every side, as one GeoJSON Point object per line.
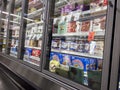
{"type": "Point", "coordinates": [36, 53]}
{"type": "Point", "coordinates": [98, 6]}
{"type": "Point", "coordinates": [64, 45]}
{"type": "Point", "coordinates": [99, 24]}
{"type": "Point", "coordinates": [99, 48]}
{"type": "Point", "coordinates": [28, 53]}
{"type": "Point", "coordinates": [92, 47]}
{"type": "Point", "coordinates": [56, 43]}
{"type": "Point", "coordinates": [71, 27]}
{"type": "Point", "coordinates": [54, 61]}
{"type": "Point", "coordinates": [86, 26]}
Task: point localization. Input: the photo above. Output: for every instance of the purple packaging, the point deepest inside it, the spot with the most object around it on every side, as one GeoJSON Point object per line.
{"type": "Point", "coordinates": [62, 11]}
{"type": "Point", "coordinates": [67, 9]}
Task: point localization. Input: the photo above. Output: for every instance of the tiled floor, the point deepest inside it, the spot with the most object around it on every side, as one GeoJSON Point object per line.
{"type": "Point", "coordinates": [6, 83]}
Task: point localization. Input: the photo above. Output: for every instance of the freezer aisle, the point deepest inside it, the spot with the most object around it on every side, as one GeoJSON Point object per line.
{"type": "Point", "coordinates": [6, 83]}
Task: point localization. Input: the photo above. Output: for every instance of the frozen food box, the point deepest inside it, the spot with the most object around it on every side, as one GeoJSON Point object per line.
{"type": "Point", "coordinates": [64, 45]}
{"type": "Point", "coordinates": [36, 53]}
{"type": "Point", "coordinates": [62, 28]}
{"type": "Point", "coordinates": [56, 43]}
{"type": "Point", "coordinates": [99, 24]}
{"type": "Point", "coordinates": [93, 64]}
{"type": "Point", "coordinates": [71, 27]}
{"type": "Point", "coordinates": [86, 26]}
{"type": "Point", "coordinates": [80, 62]}
{"type": "Point", "coordinates": [55, 59]}
{"type": "Point", "coordinates": [66, 60]}
{"type": "Point", "coordinates": [99, 48]}
{"type": "Point", "coordinates": [86, 46]}
{"type": "Point", "coordinates": [73, 46]}
{"type": "Point", "coordinates": [28, 53]}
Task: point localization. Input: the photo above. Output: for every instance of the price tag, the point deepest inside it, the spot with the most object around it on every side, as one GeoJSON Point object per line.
{"type": "Point", "coordinates": [91, 36]}
{"type": "Point", "coordinates": [69, 18]}
{"type": "Point", "coordinates": [55, 21]}
{"type": "Point", "coordinates": [62, 19]}
{"type": "Point", "coordinates": [76, 16]}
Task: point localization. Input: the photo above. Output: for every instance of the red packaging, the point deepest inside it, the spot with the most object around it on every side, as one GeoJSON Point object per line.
{"type": "Point", "coordinates": [105, 2]}
{"type": "Point", "coordinates": [36, 52]}
{"type": "Point", "coordinates": [85, 26]}
{"type": "Point", "coordinates": [72, 27]}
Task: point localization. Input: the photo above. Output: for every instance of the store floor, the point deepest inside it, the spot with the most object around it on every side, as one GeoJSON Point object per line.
{"type": "Point", "coordinates": [6, 83]}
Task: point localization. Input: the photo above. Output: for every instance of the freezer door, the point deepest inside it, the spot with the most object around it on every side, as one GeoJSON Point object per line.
{"type": "Point", "coordinates": [79, 42]}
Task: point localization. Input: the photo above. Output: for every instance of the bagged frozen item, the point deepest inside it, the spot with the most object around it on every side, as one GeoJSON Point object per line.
{"type": "Point", "coordinates": [54, 62]}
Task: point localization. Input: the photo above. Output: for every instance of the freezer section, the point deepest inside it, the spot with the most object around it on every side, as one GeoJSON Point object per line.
{"type": "Point", "coordinates": [14, 27]}
{"type": "Point", "coordinates": [77, 44]}
{"type": "Point", "coordinates": [4, 23]}
{"type": "Point", "coordinates": [34, 31]}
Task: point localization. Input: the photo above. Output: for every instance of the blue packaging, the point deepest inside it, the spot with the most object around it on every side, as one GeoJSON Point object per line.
{"type": "Point", "coordinates": [66, 60]}
{"type": "Point", "coordinates": [28, 53]}
{"type": "Point", "coordinates": [80, 62]}
{"type": "Point", "coordinates": [93, 64]}
{"type": "Point", "coordinates": [57, 56]}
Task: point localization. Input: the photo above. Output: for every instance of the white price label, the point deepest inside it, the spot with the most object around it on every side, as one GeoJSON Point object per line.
{"type": "Point", "coordinates": [76, 16]}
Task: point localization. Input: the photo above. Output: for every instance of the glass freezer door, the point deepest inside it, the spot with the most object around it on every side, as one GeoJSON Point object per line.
{"type": "Point", "coordinates": [34, 32]}
{"type": "Point", "coordinates": [77, 44]}
{"type": "Point", "coordinates": [4, 23]}
{"type": "Point", "coordinates": [14, 27]}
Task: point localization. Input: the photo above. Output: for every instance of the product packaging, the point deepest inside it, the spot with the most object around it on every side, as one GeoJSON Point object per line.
{"type": "Point", "coordinates": [54, 61]}
{"type": "Point", "coordinates": [72, 27]}
{"type": "Point", "coordinates": [86, 26]}
{"type": "Point", "coordinates": [99, 24]}
{"type": "Point", "coordinates": [36, 53]}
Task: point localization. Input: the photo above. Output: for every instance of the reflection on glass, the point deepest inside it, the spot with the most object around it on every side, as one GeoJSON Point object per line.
{"type": "Point", "coordinates": [34, 30]}
{"type": "Point", "coordinates": [78, 41]}
{"type": "Point", "coordinates": [119, 81]}
{"type": "Point", "coordinates": [14, 28]}
{"type": "Point", "coordinates": [4, 23]}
